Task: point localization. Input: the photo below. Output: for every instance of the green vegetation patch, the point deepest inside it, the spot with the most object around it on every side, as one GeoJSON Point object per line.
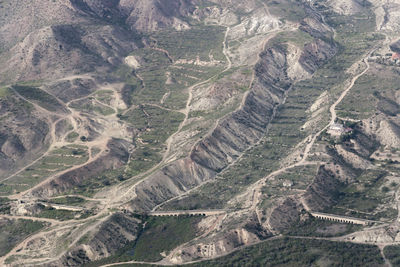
{"type": "Point", "coordinates": [155, 125]}
{"type": "Point", "coordinates": [40, 97]}
{"type": "Point", "coordinates": [72, 136]}
{"type": "Point", "coordinates": [91, 185]}
{"type": "Point", "coordinates": [160, 234]}
{"type": "Point", "coordinates": [362, 198]}
{"type": "Point", "coordinates": [105, 96]}
{"type": "Point", "coordinates": [368, 93]}
{"type": "Point", "coordinates": [92, 106]}
{"type": "Point", "coordinates": [200, 41]}
{"type": "Point", "coordinates": [57, 214]}
{"type": "Point", "coordinates": [14, 231]}
{"type": "Point", "coordinates": [55, 161]}
{"type": "Point", "coordinates": [62, 214]}
{"type": "Point", "coordinates": [291, 10]}
{"type": "Point", "coordinates": [321, 228]}
{"type": "Point", "coordinates": [301, 252]}
{"type": "Point", "coordinates": [298, 37]}
{"type": "Point", "coordinates": [68, 201]}
{"type": "Point", "coordinates": [4, 205]}
{"type": "Point", "coordinates": [143, 159]}
{"type": "Point", "coordinates": [392, 253]}
{"type": "Point", "coordinates": [4, 91]}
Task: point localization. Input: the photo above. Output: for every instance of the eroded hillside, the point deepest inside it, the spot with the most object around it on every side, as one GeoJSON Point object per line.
{"type": "Point", "coordinates": [177, 131]}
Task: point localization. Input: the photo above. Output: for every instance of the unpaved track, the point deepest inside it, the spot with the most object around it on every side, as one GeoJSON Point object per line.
{"type": "Point", "coordinates": [110, 202]}
{"type": "Point", "coordinates": [256, 188]}
{"type": "Point", "coordinates": [271, 35]}
{"type": "Point", "coordinates": [186, 112]}
{"type": "Point", "coordinates": [36, 219]}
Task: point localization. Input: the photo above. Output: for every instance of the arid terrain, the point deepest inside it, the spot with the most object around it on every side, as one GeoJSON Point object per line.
{"type": "Point", "coordinates": [199, 132]}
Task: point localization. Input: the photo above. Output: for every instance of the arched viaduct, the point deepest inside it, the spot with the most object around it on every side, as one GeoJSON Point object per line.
{"type": "Point", "coordinates": [318, 215]}
{"type": "Point", "coordinates": [341, 219]}
{"type": "Point", "coordinates": [187, 213]}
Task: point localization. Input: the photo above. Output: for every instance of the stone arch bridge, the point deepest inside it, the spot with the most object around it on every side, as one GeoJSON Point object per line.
{"type": "Point", "coordinates": [341, 219]}
{"type": "Point", "coordinates": [187, 213]}
{"type": "Point", "coordinates": [318, 215]}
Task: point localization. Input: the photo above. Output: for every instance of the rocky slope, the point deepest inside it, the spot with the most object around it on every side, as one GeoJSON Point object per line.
{"type": "Point", "coordinates": [112, 235]}
{"type": "Point", "coordinates": [237, 131]}
{"type": "Point", "coordinates": [17, 147]}
{"type": "Point", "coordinates": [120, 121]}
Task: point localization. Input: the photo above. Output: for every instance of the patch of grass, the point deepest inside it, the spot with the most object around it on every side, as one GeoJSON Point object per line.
{"type": "Point", "coordinates": [291, 10]}
{"type": "Point", "coordinates": [104, 96]}
{"type": "Point", "coordinates": [14, 231]}
{"type": "Point", "coordinates": [4, 91]}
{"type": "Point", "coordinates": [72, 201]}
{"type": "Point", "coordinates": [40, 97]}
{"type": "Point", "coordinates": [32, 83]}
{"type": "Point", "coordinates": [62, 214]}
{"type": "Point", "coordinates": [72, 136]}
{"type": "Point", "coordinates": [299, 38]}
{"type": "Point", "coordinates": [4, 205]}
{"type": "Point", "coordinates": [92, 184]}
{"type": "Point", "coordinates": [162, 234]}
{"type": "Point", "coordinates": [143, 159]}
{"type": "Point", "coordinates": [321, 228]}
{"type": "Point", "coordinates": [58, 214]}
{"type": "Point", "coordinates": [155, 123]}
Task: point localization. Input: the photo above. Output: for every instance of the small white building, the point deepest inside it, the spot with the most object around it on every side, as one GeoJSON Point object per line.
{"type": "Point", "coordinates": [337, 129]}
{"type": "Point", "coordinates": [287, 183]}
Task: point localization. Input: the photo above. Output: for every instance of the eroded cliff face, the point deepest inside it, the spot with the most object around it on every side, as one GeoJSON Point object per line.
{"type": "Point", "coordinates": [275, 72]}
{"type": "Point", "coordinates": [315, 54]}
{"type": "Point", "coordinates": [236, 132]}
{"type": "Point", "coordinates": [100, 45]}
{"type": "Point", "coordinates": [233, 135]}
